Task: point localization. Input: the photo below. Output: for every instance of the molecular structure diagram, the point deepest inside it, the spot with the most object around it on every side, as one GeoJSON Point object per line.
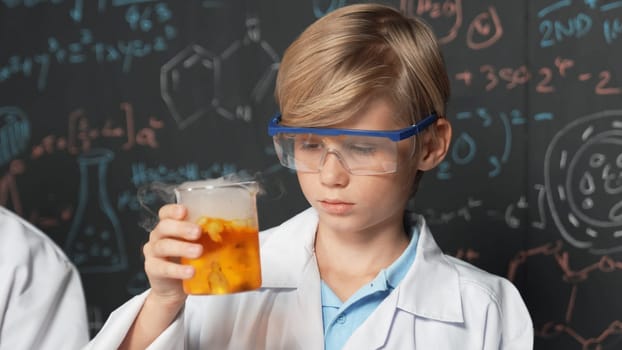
{"type": "Point", "coordinates": [197, 82]}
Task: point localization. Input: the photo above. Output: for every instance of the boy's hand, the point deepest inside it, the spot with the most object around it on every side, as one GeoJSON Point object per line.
{"type": "Point", "coordinates": [169, 241]}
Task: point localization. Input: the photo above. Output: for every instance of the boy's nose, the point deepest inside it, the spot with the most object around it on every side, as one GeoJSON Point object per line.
{"type": "Point", "coordinates": [333, 170]}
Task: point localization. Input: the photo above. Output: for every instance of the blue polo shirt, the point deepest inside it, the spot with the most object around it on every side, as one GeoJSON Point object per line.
{"type": "Point", "coordinates": [341, 319]}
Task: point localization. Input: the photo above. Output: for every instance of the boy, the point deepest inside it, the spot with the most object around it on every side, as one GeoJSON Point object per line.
{"type": "Point", "coordinates": [361, 94]}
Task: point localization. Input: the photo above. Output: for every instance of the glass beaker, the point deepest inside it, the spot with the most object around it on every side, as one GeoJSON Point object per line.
{"type": "Point", "coordinates": [227, 214]}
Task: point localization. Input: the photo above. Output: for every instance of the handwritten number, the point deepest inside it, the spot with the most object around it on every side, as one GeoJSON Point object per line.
{"type": "Point", "coordinates": [601, 87]}
{"type": "Point", "coordinates": [546, 28]}
{"type": "Point", "coordinates": [543, 85]}
{"type": "Point", "coordinates": [490, 75]}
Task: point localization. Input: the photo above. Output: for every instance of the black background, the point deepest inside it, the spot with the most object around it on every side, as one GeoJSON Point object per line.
{"type": "Point", "coordinates": [101, 99]}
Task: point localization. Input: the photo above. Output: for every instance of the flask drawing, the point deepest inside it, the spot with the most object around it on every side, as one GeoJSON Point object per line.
{"type": "Point", "coordinates": [95, 241]}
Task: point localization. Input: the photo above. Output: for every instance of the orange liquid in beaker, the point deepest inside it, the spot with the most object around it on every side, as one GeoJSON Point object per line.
{"type": "Point", "coordinates": [230, 260]}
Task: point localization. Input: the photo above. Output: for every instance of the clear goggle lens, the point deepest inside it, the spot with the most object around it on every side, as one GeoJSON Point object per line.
{"type": "Point", "coordinates": [360, 155]}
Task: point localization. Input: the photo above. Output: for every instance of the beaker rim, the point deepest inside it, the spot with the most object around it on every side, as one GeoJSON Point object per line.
{"type": "Point", "coordinates": [213, 184]}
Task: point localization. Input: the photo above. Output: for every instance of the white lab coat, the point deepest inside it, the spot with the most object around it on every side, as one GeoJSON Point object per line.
{"type": "Point", "coordinates": [42, 303]}
{"type": "Point", "coordinates": [442, 303]}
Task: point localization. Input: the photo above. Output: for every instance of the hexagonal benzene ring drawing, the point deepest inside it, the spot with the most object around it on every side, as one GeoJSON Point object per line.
{"type": "Point", "coordinates": [249, 68]}
{"type": "Point", "coordinates": [189, 84]}
{"type": "Point", "coordinates": [583, 182]}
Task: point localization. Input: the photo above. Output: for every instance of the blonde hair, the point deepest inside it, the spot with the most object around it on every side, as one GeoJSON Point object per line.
{"type": "Point", "coordinates": [354, 54]}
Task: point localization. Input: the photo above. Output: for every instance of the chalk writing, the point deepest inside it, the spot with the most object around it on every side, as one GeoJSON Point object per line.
{"type": "Point", "coordinates": [483, 30]}
{"type": "Point", "coordinates": [14, 133]}
{"type": "Point", "coordinates": [513, 219]}
{"type": "Point", "coordinates": [319, 9]}
{"type": "Point", "coordinates": [79, 141]}
{"type": "Point", "coordinates": [574, 277]}
{"type": "Point", "coordinates": [517, 70]}
{"type": "Point", "coordinates": [188, 84]}
{"type": "Point", "coordinates": [612, 29]}
{"type": "Point", "coordinates": [193, 81]}
{"type": "Point", "coordinates": [143, 175]}
{"type": "Point", "coordinates": [584, 162]}
{"type": "Point", "coordinates": [569, 23]}
{"type": "Point", "coordinates": [260, 74]}
{"type": "Point", "coordinates": [95, 242]}
{"type": "Point", "coordinates": [464, 149]}
{"type": "Point", "coordinates": [86, 47]}
{"type": "Point", "coordinates": [464, 212]}
{"type": "Point", "coordinates": [14, 138]}
{"type": "Point", "coordinates": [546, 80]}
{"type": "Point", "coordinates": [29, 3]}
{"type": "Point", "coordinates": [81, 134]}
{"type": "Point", "coordinates": [9, 193]}
{"type": "Point", "coordinates": [448, 12]}
{"type": "Point", "coordinates": [77, 4]}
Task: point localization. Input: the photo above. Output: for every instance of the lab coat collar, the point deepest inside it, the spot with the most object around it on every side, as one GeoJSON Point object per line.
{"type": "Point", "coordinates": [430, 289]}
{"type": "Point", "coordinates": [287, 249]}
{"type": "Point", "coordinates": [288, 261]}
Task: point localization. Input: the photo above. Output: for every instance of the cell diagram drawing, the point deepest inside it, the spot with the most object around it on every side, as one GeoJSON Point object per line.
{"type": "Point", "coordinates": [583, 181]}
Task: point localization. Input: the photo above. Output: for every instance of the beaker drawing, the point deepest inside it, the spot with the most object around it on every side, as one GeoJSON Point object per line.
{"type": "Point", "coordinates": [95, 241]}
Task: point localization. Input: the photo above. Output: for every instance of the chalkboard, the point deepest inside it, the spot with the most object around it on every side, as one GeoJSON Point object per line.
{"type": "Point", "coordinates": [101, 99]}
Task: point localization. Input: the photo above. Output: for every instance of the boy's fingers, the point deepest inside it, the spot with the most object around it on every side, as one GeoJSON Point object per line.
{"type": "Point", "coordinates": [172, 211]}
{"type": "Point", "coordinates": [175, 228]}
{"type": "Point", "coordinates": [166, 269]}
{"type": "Point", "coordinates": [166, 248]}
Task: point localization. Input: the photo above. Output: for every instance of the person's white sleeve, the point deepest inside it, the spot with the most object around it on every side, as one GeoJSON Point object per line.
{"type": "Point", "coordinates": [118, 324]}
{"type": "Point", "coordinates": [508, 324]}
{"type": "Point", "coordinates": [517, 324]}
{"type": "Point", "coordinates": [42, 303]}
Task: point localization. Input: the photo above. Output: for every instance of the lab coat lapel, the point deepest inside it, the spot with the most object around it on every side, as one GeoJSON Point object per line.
{"type": "Point", "coordinates": [431, 288]}
{"type": "Point", "coordinates": [373, 333]}
{"type": "Point", "coordinates": [288, 261]}
{"type": "Point", "coordinates": [308, 322]}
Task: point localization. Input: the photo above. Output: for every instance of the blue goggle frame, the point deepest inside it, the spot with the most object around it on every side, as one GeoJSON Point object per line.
{"type": "Point", "coordinates": [395, 135]}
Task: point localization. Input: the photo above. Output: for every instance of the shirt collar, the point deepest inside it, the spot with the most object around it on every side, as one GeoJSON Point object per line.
{"type": "Point", "coordinates": [398, 269]}
{"type": "Point", "coordinates": [387, 279]}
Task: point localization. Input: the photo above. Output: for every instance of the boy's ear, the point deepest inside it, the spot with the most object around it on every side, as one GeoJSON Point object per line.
{"type": "Point", "coordinates": [435, 146]}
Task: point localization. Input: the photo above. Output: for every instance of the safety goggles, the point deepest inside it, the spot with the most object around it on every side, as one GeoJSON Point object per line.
{"type": "Point", "coordinates": [361, 152]}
